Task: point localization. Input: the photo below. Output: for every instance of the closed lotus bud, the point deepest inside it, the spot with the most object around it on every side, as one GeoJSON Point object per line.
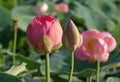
{"type": "Point", "coordinates": [41, 8]}
{"type": "Point", "coordinates": [72, 39]}
{"type": "Point", "coordinates": [62, 7]}
{"type": "Point", "coordinates": [45, 33]}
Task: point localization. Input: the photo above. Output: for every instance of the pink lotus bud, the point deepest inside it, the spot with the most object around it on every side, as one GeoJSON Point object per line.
{"type": "Point", "coordinates": [71, 37]}
{"type": "Point", "coordinates": [41, 8]}
{"type": "Point", "coordinates": [62, 8]}
{"type": "Point", "coordinates": [96, 46]}
{"type": "Point", "coordinates": [45, 33]}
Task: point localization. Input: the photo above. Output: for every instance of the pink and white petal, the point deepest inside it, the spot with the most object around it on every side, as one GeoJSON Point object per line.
{"type": "Point", "coordinates": [100, 47]}
{"type": "Point", "coordinates": [82, 54]}
{"type": "Point", "coordinates": [103, 57]}
{"type": "Point", "coordinates": [111, 43]}
{"type": "Point", "coordinates": [104, 34]}
{"type": "Point", "coordinates": [88, 35]}
{"type": "Point", "coordinates": [109, 39]}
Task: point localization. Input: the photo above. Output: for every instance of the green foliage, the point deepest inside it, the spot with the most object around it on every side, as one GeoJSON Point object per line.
{"type": "Point", "coordinates": [24, 21]}
{"type": "Point", "coordinates": [113, 79]}
{"type": "Point", "coordinates": [4, 77]}
{"type": "Point", "coordinates": [5, 18]}
{"type": "Point", "coordinates": [22, 10]}
{"type": "Point", "coordinates": [60, 64]}
{"type": "Point", "coordinates": [30, 64]}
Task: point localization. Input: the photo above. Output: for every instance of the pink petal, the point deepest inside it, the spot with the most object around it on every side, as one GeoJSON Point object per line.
{"type": "Point", "coordinates": [55, 32]}
{"type": "Point", "coordinates": [82, 54]}
{"type": "Point", "coordinates": [31, 39]}
{"type": "Point", "coordinates": [36, 29]}
{"type": "Point", "coordinates": [100, 47]}
{"type": "Point", "coordinates": [88, 35]}
{"type": "Point", "coordinates": [109, 39]}
{"type": "Point", "coordinates": [102, 58]}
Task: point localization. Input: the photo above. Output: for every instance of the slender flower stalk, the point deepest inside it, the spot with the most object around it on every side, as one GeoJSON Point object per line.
{"type": "Point", "coordinates": [15, 26]}
{"type": "Point", "coordinates": [72, 40]}
{"type": "Point", "coordinates": [89, 79]}
{"type": "Point", "coordinates": [14, 47]}
{"type": "Point", "coordinates": [47, 68]}
{"type": "Point", "coordinates": [97, 71]}
{"type": "Point", "coordinates": [71, 66]}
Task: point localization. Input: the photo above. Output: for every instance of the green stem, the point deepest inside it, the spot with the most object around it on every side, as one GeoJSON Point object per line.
{"type": "Point", "coordinates": [47, 68]}
{"type": "Point", "coordinates": [97, 72]}
{"type": "Point", "coordinates": [14, 46]}
{"type": "Point", "coordinates": [1, 63]}
{"type": "Point", "coordinates": [71, 66]}
{"type": "Point", "coordinates": [89, 79]}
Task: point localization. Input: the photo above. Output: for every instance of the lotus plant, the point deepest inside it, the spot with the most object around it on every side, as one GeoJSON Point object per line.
{"type": "Point", "coordinates": [96, 47]}
{"type": "Point", "coordinates": [45, 34]}
{"type": "Point", "coordinates": [72, 40]}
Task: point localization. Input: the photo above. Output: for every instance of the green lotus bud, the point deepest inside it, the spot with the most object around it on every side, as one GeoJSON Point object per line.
{"type": "Point", "coordinates": [44, 44]}
{"type": "Point", "coordinates": [57, 46]}
{"type": "Point", "coordinates": [72, 39]}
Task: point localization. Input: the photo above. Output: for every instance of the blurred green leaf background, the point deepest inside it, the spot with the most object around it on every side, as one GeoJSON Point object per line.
{"type": "Point", "coordinates": [103, 15]}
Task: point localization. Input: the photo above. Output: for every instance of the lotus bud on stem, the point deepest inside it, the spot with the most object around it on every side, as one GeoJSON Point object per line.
{"type": "Point", "coordinates": [71, 40]}
{"type": "Point", "coordinates": [45, 34]}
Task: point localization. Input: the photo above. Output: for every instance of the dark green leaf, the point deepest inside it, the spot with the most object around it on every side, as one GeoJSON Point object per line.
{"type": "Point", "coordinates": [5, 18]}
{"type": "Point", "coordinates": [27, 79]}
{"type": "Point", "coordinates": [31, 65]}
{"type": "Point", "coordinates": [4, 77]}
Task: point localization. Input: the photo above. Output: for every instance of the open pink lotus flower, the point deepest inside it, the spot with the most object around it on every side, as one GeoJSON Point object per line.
{"type": "Point", "coordinates": [62, 8]}
{"type": "Point", "coordinates": [45, 33]}
{"type": "Point", "coordinates": [96, 46]}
